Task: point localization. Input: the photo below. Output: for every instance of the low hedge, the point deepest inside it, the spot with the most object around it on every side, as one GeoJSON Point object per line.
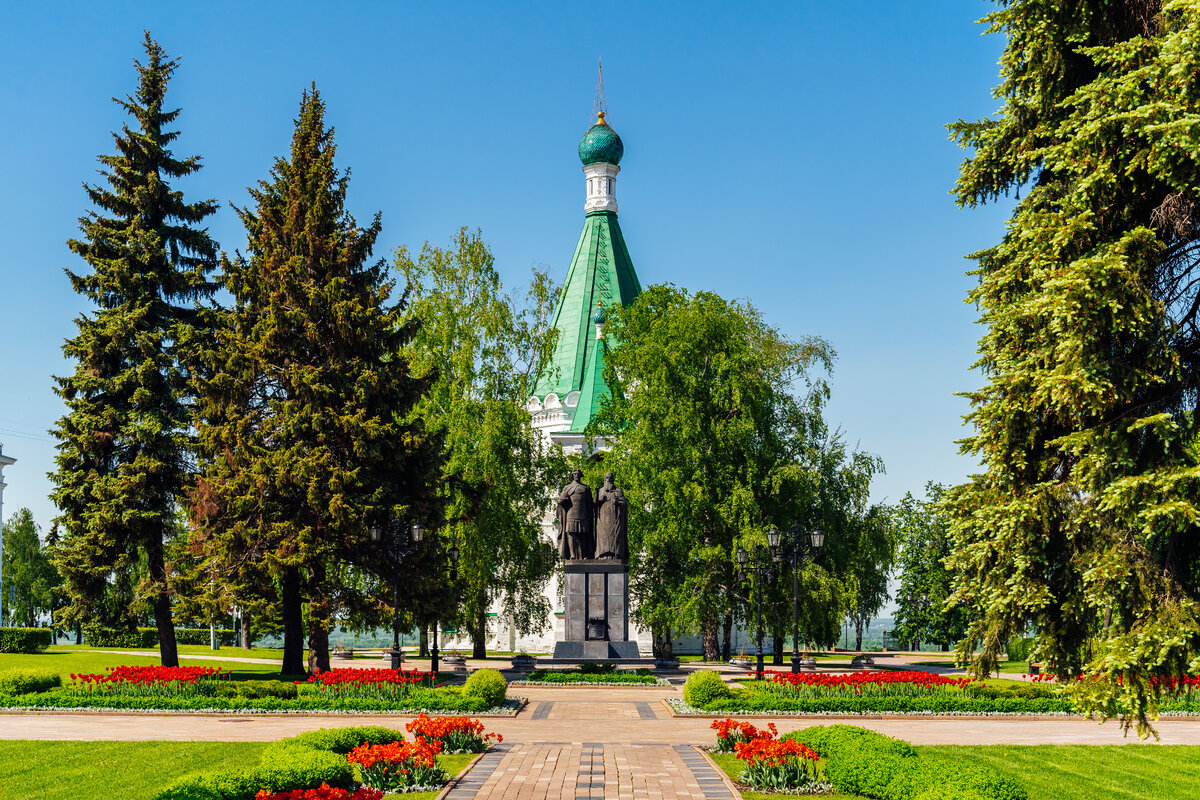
{"type": "Point", "coordinates": [863, 762]}
{"type": "Point", "coordinates": [444, 699]}
{"type": "Point", "coordinates": [28, 681]}
{"type": "Point", "coordinates": [24, 640]}
{"type": "Point", "coordinates": [571, 676]}
{"type": "Point", "coordinates": [254, 690]}
{"type": "Point", "coordinates": [749, 700]}
{"type": "Point", "coordinates": [148, 637]}
{"type": "Point", "coordinates": [298, 762]}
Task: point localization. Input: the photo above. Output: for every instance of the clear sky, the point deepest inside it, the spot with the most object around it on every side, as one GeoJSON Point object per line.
{"type": "Point", "coordinates": [793, 154]}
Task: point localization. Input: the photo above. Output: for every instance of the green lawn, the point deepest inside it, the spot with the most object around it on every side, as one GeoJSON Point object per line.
{"type": "Point", "coordinates": [70, 659]}
{"type": "Point", "coordinates": [1068, 772]}
{"type": "Point", "coordinates": [130, 770]}
{"type": "Point", "coordinates": [1087, 772]}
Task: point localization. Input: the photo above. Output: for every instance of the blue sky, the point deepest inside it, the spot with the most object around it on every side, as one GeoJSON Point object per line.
{"type": "Point", "coordinates": [792, 154]}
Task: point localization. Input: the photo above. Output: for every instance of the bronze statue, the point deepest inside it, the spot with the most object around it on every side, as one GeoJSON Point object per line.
{"type": "Point", "coordinates": [575, 513]}
{"type": "Point", "coordinates": [612, 516]}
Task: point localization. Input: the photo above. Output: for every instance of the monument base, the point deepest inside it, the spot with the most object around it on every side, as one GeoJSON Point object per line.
{"type": "Point", "coordinates": [596, 651]}
{"type": "Point", "coordinates": [596, 612]}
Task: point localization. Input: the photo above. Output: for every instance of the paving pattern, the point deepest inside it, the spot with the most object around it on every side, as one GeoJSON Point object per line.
{"type": "Point", "coordinates": [592, 771]}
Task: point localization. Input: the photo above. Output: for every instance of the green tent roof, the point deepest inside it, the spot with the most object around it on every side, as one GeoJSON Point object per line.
{"type": "Point", "coordinates": [601, 274]}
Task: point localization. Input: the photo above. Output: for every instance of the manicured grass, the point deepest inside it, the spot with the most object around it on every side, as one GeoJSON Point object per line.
{"type": "Point", "coordinates": [1004, 667]}
{"type": "Point", "coordinates": [1087, 772]}
{"type": "Point", "coordinates": [67, 660]}
{"type": "Point", "coordinates": [131, 770]}
{"type": "Point", "coordinates": [128, 770]}
{"type": "Point", "coordinates": [1066, 772]}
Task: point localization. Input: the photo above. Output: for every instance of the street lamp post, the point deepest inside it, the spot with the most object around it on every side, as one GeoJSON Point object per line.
{"type": "Point", "coordinates": [797, 554]}
{"type": "Point", "coordinates": [759, 565]}
{"type": "Point", "coordinates": [452, 554]}
{"type": "Point", "coordinates": [399, 539]}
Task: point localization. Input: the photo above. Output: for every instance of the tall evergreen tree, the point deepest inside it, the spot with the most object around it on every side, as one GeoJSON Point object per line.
{"type": "Point", "coordinates": [307, 412]}
{"type": "Point", "coordinates": [123, 446]}
{"type": "Point", "coordinates": [1085, 522]}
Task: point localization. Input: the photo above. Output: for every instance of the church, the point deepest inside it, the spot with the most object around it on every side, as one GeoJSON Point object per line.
{"type": "Point", "coordinates": [600, 276]}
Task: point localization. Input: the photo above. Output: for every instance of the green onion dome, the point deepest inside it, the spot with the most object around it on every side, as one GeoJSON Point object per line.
{"type": "Point", "coordinates": [598, 317]}
{"type": "Point", "coordinates": [601, 145]}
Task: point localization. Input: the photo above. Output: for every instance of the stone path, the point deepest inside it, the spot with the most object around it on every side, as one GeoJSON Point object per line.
{"type": "Point", "coordinates": [592, 771]}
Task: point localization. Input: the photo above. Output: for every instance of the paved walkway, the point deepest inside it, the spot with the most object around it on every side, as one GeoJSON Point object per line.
{"type": "Point", "coordinates": [611, 716]}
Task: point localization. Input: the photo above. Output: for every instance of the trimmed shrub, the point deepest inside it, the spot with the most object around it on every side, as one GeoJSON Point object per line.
{"type": "Point", "coordinates": [148, 637]}
{"type": "Point", "coordinates": [488, 685]}
{"type": "Point", "coordinates": [24, 640]}
{"type": "Point", "coordinates": [254, 690]}
{"type": "Point", "coordinates": [297, 762]}
{"type": "Point", "coordinates": [703, 688]}
{"type": "Point", "coordinates": [863, 762]}
{"type": "Point", "coordinates": [28, 681]}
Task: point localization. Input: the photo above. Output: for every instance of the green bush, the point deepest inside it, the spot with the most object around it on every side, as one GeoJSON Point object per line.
{"type": "Point", "coordinates": [1027, 691]}
{"type": "Point", "coordinates": [863, 762]}
{"type": "Point", "coordinates": [1009, 703]}
{"type": "Point", "coordinates": [298, 762]}
{"type": "Point", "coordinates": [703, 688]}
{"type": "Point", "coordinates": [254, 690]}
{"type": "Point", "coordinates": [28, 681]}
{"type": "Point", "coordinates": [148, 637]}
{"type": "Point", "coordinates": [24, 640]}
{"type": "Point", "coordinates": [488, 685]}
{"type": "Point", "coordinates": [596, 668]}
{"type": "Point", "coordinates": [641, 676]}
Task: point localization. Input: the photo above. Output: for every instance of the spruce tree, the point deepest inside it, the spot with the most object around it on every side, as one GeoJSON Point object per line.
{"type": "Point", "coordinates": [307, 415]}
{"type": "Point", "coordinates": [123, 449]}
{"type": "Point", "coordinates": [1085, 522]}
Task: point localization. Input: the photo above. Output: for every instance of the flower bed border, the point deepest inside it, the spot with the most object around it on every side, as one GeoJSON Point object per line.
{"type": "Point", "coordinates": [511, 707]}
{"type": "Point", "coordinates": [677, 708]}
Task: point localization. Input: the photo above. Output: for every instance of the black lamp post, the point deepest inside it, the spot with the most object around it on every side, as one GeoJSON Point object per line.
{"type": "Point", "coordinates": [452, 554]}
{"type": "Point", "coordinates": [398, 539]}
{"type": "Point", "coordinates": [797, 554]}
{"type": "Point", "coordinates": [759, 564]}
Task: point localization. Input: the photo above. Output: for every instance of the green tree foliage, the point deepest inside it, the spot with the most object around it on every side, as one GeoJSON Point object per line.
{"type": "Point", "coordinates": [486, 349]}
{"type": "Point", "coordinates": [123, 447]}
{"type": "Point", "coordinates": [706, 432]}
{"type": "Point", "coordinates": [1085, 519]}
{"type": "Point", "coordinates": [307, 412]}
{"type": "Point", "coordinates": [926, 584]}
{"type": "Point", "coordinates": [29, 577]}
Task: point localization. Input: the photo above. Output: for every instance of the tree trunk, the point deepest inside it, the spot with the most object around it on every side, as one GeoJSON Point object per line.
{"type": "Point", "coordinates": [293, 624]}
{"type": "Point", "coordinates": [78, 634]}
{"type": "Point", "coordinates": [945, 647]}
{"type": "Point", "coordinates": [247, 642]}
{"type": "Point", "coordinates": [479, 632]}
{"type": "Point", "coordinates": [167, 651]}
{"type": "Point", "coordinates": [858, 633]}
{"type": "Point", "coordinates": [319, 621]}
{"type": "Point", "coordinates": [423, 642]}
{"type": "Point", "coordinates": [728, 643]}
{"type": "Point", "coordinates": [777, 648]}
{"type": "Point", "coordinates": [664, 644]}
{"type": "Point", "coordinates": [710, 643]}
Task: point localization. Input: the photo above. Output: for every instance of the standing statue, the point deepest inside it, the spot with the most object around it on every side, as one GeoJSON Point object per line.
{"type": "Point", "coordinates": [612, 516]}
{"type": "Point", "coordinates": [575, 513]}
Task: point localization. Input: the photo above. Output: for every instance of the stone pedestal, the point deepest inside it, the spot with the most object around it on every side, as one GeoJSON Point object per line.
{"type": "Point", "coordinates": [596, 612]}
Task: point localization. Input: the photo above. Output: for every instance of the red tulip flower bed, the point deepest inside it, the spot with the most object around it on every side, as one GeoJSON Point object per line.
{"type": "Point", "coordinates": [731, 733]}
{"type": "Point", "coordinates": [774, 764]}
{"type": "Point", "coordinates": [882, 683]}
{"type": "Point", "coordinates": [453, 734]}
{"type": "Point", "coordinates": [324, 792]}
{"type": "Point", "coordinates": [399, 765]}
{"type": "Point", "coordinates": [378, 684]}
{"type": "Point", "coordinates": [152, 681]}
